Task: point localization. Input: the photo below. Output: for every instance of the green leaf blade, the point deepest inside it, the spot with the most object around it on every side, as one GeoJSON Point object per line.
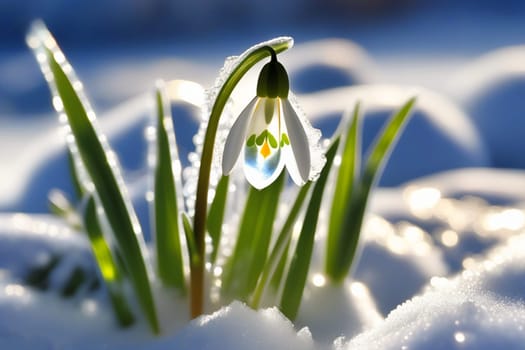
{"type": "Point", "coordinates": [255, 231]}
{"type": "Point", "coordinates": [352, 224]}
{"type": "Point", "coordinates": [300, 264]}
{"type": "Point", "coordinates": [385, 143]}
{"type": "Point", "coordinates": [190, 239]}
{"type": "Point", "coordinates": [108, 268]}
{"type": "Point", "coordinates": [216, 215]}
{"type": "Point", "coordinates": [103, 173]}
{"type": "Point", "coordinates": [274, 267]}
{"type": "Point", "coordinates": [346, 178]}
{"type": "Point", "coordinates": [165, 204]}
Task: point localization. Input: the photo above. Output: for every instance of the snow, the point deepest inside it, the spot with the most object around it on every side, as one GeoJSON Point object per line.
{"type": "Point", "coordinates": [481, 308]}
{"type": "Point", "coordinates": [402, 270]}
{"type": "Point", "coordinates": [441, 262]}
{"type": "Point", "coordinates": [33, 316]}
{"type": "Point", "coordinates": [238, 327]}
{"type": "Point", "coordinates": [333, 311]}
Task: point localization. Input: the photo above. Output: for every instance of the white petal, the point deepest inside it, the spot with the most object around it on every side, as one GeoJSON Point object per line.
{"type": "Point", "coordinates": [236, 138]}
{"type": "Point", "coordinates": [262, 173]}
{"type": "Point", "coordinates": [263, 168]}
{"type": "Point", "coordinates": [298, 141]}
{"type": "Point", "coordinates": [291, 165]}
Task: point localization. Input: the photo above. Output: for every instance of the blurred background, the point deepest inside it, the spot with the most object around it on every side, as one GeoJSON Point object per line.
{"type": "Point", "coordinates": [119, 48]}
{"type": "Point", "coordinates": [121, 22]}
{"type": "Point", "coordinates": [94, 33]}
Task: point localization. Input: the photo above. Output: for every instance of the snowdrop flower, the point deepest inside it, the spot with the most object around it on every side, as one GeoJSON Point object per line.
{"type": "Point", "coordinates": [269, 132]}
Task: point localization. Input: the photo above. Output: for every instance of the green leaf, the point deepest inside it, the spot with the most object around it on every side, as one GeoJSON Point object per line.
{"type": "Point", "coordinates": [275, 264]}
{"type": "Point", "coordinates": [216, 215]}
{"type": "Point", "coordinates": [300, 264]}
{"type": "Point", "coordinates": [385, 143]}
{"type": "Point", "coordinates": [255, 231]}
{"type": "Point", "coordinates": [73, 283]}
{"type": "Point", "coordinates": [277, 278]}
{"type": "Point", "coordinates": [346, 180]}
{"type": "Point", "coordinates": [79, 192]}
{"type": "Point", "coordinates": [165, 206]}
{"type": "Point", "coordinates": [190, 241]}
{"type": "Point", "coordinates": [103, 172]}
{"type": "Point", "coordinates": [344, 250]}
{"type": "Point", "coordinates": [39, 276]}
{"type": "Point", "coordinates": [108, 268]}
{"type": "Point", "coordinates": [60, 205]}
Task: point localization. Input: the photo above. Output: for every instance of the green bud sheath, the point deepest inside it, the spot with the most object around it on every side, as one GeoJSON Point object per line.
{"type": "Point", "coordinates": [273, 80]}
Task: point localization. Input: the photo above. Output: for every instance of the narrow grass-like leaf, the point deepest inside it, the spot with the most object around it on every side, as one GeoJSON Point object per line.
{"type": "Point", "coordinates": [346, 180]}
{"type": "Point", "coordinates": [276, 280]}
{"type": "Point", "coordinates": [77, 188]}
{"type": "Point", "coordinates": [216, 215]}
{"type": "Point", "coordinates": [300, 264]}
{"type": "Point", "coordinates": [39, 276]}
{"type": "Point", "coordinates": [346, 246]}
{"type": "Point", "coordinates": [165, 207]}
{"type": "Point", "coordinates": [101, 168]}
{"type": "Point", "coordinates": [73, 282]}
{"type": "Point", "coordinates": [60, 205]}
{"type": "Point", "coordinates": [190, 238]}
{"type": "Point", "coordinates": [385, 143]}
{"type": "Point", "coordinates": [255, 231]}
{"type": "Point", "coordinates": [277, 259]}
{"type": "Point", "coordinates": [108, 269]}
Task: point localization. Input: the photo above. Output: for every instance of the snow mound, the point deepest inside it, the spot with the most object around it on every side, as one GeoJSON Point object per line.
{"type": "Point", "coordinates": [331, 311]}
{"type": "Point", "coordinates": [324, 64]}
{"type": "Point", "coordinates": [393, 253]}
{"type": "Point", "coordinates": [494, 100]}
{"type": "Point", "coordinates": [481, 308]}
{"type": "Point", "coordinates": [239, 327]}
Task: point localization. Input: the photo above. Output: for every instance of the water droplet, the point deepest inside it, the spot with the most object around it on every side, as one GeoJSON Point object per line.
{"type": "Point", "coordinates": [421, 200]}
{"type": "Point", "coordinates": [14, 290]}
{"type": "Point", "coordinates": [459, 337]}
{"type": "Point", "coordinates": [57, 104]}
{"type": "Point", "coordinates": [89, 307]}
{"type": "Point", "coordinates": [150, 196]}
{"type": "Point", "coordinates": [59, 57]}
{"type": "Point", "coordinates": [358, 289]}
{"type": "Point", "coordinates": [318, 280]}
{"type": "Point", "coordinates": [449, 238]}
{"type": "Point", "coordinates": [217, 271]}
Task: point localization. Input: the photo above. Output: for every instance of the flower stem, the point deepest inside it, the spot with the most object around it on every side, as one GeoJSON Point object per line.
{"type": "Point", "coordinates": [203, 182]}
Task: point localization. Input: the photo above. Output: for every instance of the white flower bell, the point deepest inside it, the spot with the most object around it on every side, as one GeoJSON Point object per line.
{"type": "Point", "coordinates": [270, 132]}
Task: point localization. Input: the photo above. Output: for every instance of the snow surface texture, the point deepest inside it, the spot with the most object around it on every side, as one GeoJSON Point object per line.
{"type": "Point", "coordinates": [441, 264]}
{"type": "Point", "coordinates": [482, 308]}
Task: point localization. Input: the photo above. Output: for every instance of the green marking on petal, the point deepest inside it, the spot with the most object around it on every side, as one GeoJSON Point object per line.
{"type": "Point", "coordinates": [260, 139]}
{"type": "Point", "coordinates": [272, 141]}
{"type": "Point", "coordinates": [251, 141]}
{"type": "Point", "coordinates": [284, 140]}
